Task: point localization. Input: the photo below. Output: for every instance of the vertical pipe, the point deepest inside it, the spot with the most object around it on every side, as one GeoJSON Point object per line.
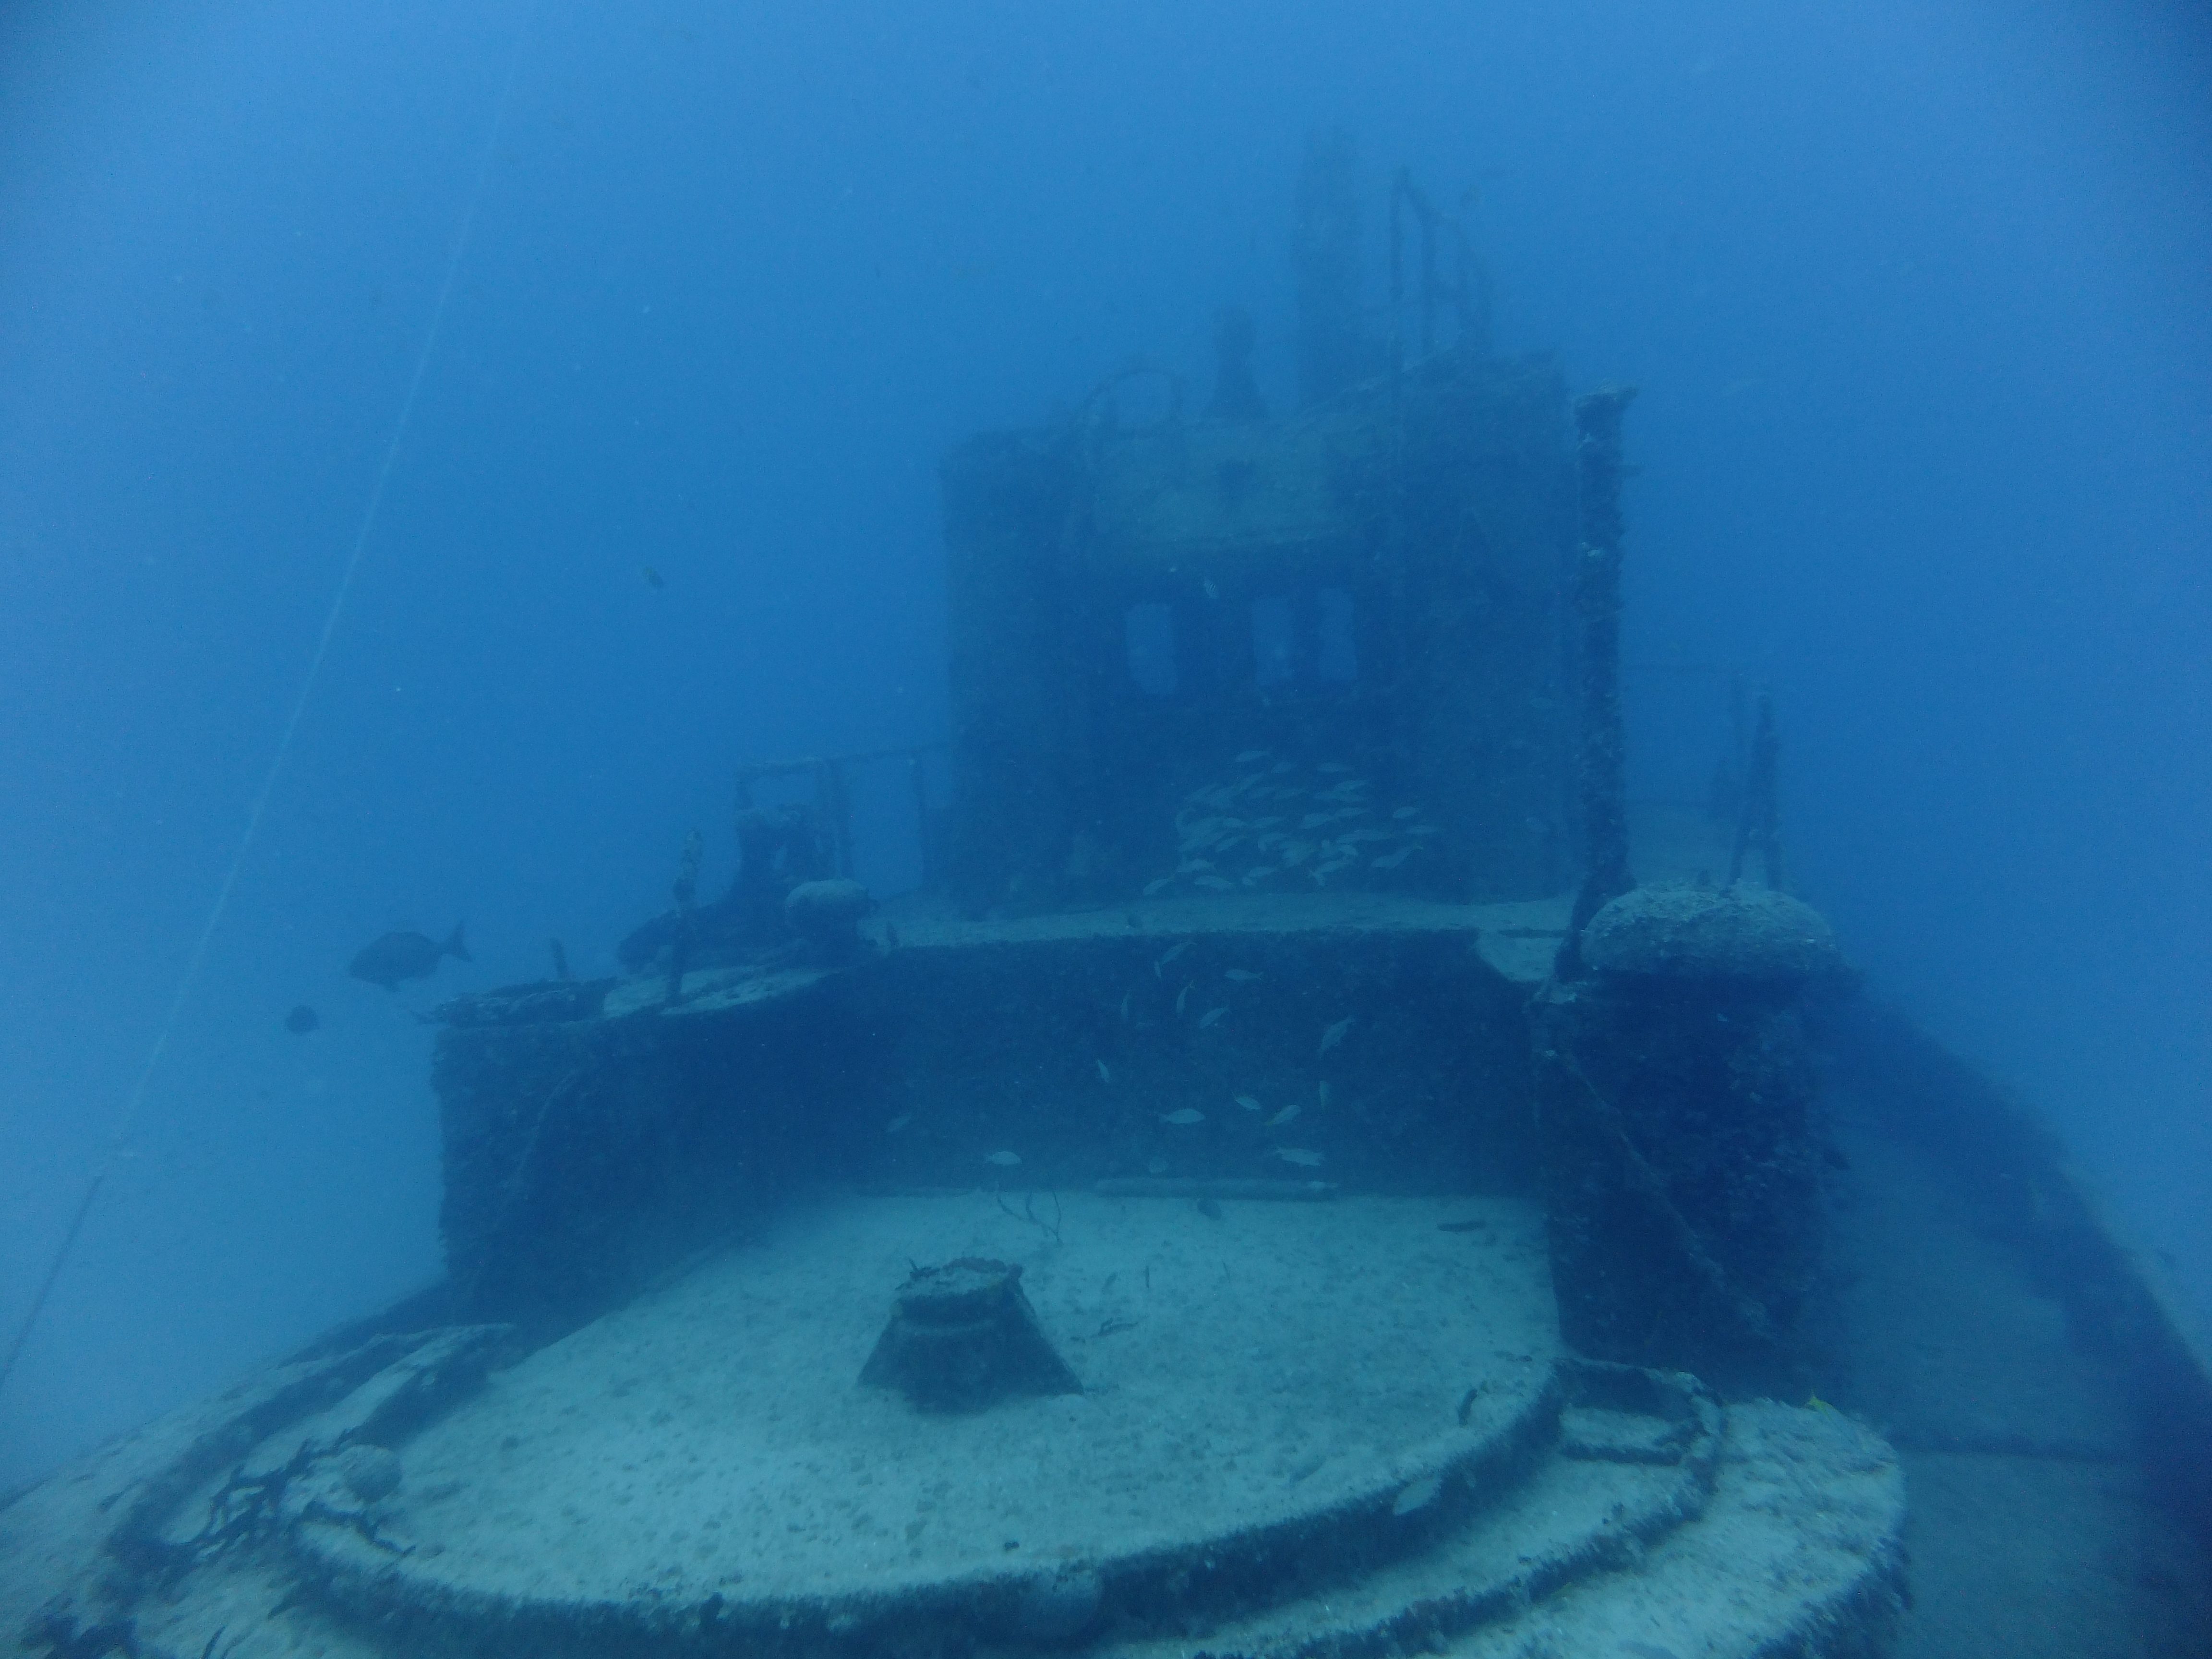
{"type": "Point", "coordinates": [1602, 771]}
{"type": "Point", "coordinates": [1331, 354]}
{"type": "Point", "coordinates": [1761, 819]}
{"type": "Point", "coordinates": [834, 807]}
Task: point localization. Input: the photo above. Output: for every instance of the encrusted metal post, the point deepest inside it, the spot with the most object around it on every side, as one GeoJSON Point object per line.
{"type": "Point", "coordinates": [1602, 766]}
{"type": "Point", "coordinates": [1332, 352]}
{"type": "Point", "coordinates": [685, 890]}
{"type": "Point", "coordinates": [835, 807]}
{"type": "Point", "coordinates": [1760, 821]}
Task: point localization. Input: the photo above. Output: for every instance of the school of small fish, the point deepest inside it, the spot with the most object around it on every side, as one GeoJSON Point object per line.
{"type": "Point", "coordinates": [1313, 824]}
{"type": "Point", "coordinates": [1321, 841]}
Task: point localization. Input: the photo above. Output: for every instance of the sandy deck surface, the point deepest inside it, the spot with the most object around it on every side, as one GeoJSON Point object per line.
{"type": "Point", "coordinates": [1239, 1370]}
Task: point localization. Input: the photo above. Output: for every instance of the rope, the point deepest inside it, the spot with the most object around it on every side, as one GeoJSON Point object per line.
{"type": "Point", "coordinates": [188, 981]}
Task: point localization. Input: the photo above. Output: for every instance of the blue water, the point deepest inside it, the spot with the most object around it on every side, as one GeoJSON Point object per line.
{"type": "Point", "coordinates": [1917, 296]}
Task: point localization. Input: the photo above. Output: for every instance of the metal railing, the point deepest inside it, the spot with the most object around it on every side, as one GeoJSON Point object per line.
{"type": "Point", "coordinates": [833, 797]}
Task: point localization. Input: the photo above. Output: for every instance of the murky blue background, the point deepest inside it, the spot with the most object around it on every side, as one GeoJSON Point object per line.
{"type": "Point", "coordinates": [1917, 293]}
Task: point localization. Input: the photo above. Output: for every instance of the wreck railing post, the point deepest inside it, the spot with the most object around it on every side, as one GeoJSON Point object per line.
{"type": "Point", "coordinates": [1602, 764]}
{"type": "Point", "coordinates": [1761, 818]}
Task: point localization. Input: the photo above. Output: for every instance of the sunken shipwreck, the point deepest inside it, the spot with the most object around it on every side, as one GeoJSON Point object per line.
{"type": "Point", "coordinates": [1315, 1170]}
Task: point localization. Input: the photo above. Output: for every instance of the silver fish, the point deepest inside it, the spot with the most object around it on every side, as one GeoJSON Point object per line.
{"type": "Point", "coordinates": [1183, 1119]}
{"type": "Point", "coordinates": [1300, 1155]}
{"type": "Point", "coordinates": [1183, 996]}
{"type": "Point", "coordinates": [1173, 952]}
{"type": "Point", "coordinates": [1104, 1076]}
{"type": "Point", "coordinates": [1004, 1160]}
{"type": "Point", "coordinates": [1216, 884]}
{"type": "Point", "coordinates": [1153, 888]}
{"type": "Point", "coordinates": [1417, 1495]}
{"type": "Point", "coordinates": [1314, 820]}
{"type": "Point", "coordinates": [1391, 860]}
{"type": "Point", "coordinates": [1211, 1017]}
{"type": "Point", "coordinates": [1248, 1102]}
{"type": "Point", "coordinates": [1406, 812]}
{"type": "Point", "coordinates": [1125, 1007]}
{"type": "Point", "coordinates": [898, 1123]}
{"type": "Point", "coordinates": [1287, 1114]}
{"type": "Point", "coordinates": [1324, 1096]}
{"type": "Point", "coordinates": [1241, 976]}
{"type": "Point", "coordinates": [1251, 754]}
{"type": "Point", "coordinates": [1333, 1035]}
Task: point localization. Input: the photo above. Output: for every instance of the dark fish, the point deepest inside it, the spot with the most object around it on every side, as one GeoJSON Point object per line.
{"type": "Point", "coordinates": [652, 578]}
{"type": "Point", "coordinates": [301, 1020]}
{"type": "Point", "coordinates": [397, 957]}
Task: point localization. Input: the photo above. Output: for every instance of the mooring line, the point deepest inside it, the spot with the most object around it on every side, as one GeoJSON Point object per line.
{"type": "Point", "coordinates": [188, 981]}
